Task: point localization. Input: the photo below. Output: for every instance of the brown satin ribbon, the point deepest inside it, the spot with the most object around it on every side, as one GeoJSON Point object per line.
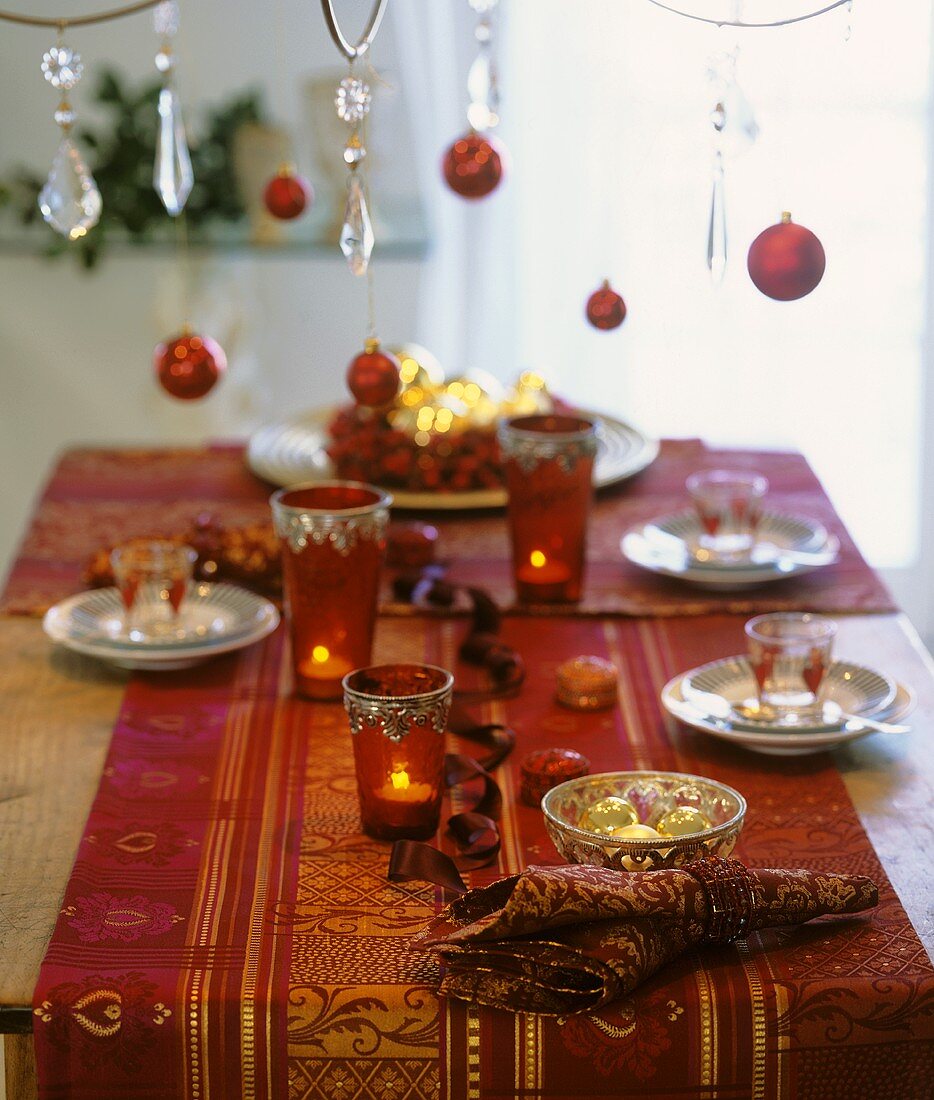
{"type": "Point", "coordinates": [481, 647]}
{"type": "Point", "coordinates": [474, 831]}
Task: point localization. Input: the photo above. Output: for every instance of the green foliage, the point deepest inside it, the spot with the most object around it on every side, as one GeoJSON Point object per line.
{"type": "Point", "coordinates": [120, 156]}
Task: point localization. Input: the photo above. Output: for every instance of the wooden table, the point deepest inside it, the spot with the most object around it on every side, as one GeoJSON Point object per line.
{"type": "Point", "coordinates": [57, 710]}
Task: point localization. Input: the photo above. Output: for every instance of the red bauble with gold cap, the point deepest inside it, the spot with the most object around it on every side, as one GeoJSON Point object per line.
{"type": "Point", "coordinates": [287, 194]}
{"type": "Point", "coordinates": [605, 308]}
{"type": "Point", "coordinates": [786, 261]}
{"type": "Point", "coordinates": [473, 166]}
{"type": "Point", "coordinates": [189, 365]}
{"type": "Point", "coordinates": [373, 376]}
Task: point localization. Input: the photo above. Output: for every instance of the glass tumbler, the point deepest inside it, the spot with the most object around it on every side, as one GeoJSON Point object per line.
{"type": "Point", "coordinates": [333, 535]}
{"type": "Point", "coordinates": [398, 716]}
{"type": "Point", "coordinates": [790, 654]}
{"type": "Point", "coordinates": [548, 461]}
{"type": "Point", "coordinates": [729, 508]}
{"type": "Point", "coordinates": [152, 577]}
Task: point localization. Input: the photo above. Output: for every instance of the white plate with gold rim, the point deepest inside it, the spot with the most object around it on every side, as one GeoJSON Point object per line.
{"type": "Point", "coordinates": [788, 546]}
{"type": "Point", "coordinates": [293, 450]}
{"type": "Point", "coordinates": [775, 742]}
{"type": "Point", "coordinates": [215, 619]}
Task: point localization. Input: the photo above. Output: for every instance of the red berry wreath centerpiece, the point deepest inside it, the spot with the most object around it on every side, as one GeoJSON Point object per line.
{"type": "Point", "coordinates": [435, 435]}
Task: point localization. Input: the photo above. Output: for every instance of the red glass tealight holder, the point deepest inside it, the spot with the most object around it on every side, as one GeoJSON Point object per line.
{"type": "Point", "coordinates": [398, 717]}
{"type": "Point", "coordinates": [548, 461]}
{"type": "Point", "coordinates": [333, 536]}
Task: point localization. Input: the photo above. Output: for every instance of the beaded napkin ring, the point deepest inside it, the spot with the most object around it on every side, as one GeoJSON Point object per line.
{"type": "Point", "coordinates": [728, 886]}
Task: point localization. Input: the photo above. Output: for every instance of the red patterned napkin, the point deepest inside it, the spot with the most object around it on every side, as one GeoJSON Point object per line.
{"type": "Point", "coordinates": [570, 939]}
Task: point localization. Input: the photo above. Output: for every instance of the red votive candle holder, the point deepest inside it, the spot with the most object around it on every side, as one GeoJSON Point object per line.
{"type": "Point", "coordinates": [548, 461]}
{"type": "Point", "coordinates": [398, 716]}
{"type": "Point", "coordinates": [333, 535]}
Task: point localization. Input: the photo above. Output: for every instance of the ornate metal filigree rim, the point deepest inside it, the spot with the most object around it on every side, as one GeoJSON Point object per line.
{"type": "Point", "coordinates": [396, 715]}
{"type": "Point", "coordinates": [343, 528]}
{"type": "Point", "coordinates": [530, 446]}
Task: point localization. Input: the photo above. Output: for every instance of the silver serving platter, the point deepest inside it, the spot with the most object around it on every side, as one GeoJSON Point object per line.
{"type": "Point", "coordinates": [293, 450]}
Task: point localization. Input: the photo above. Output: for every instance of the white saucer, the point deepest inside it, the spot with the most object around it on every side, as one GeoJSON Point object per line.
{"type": "Point", "coordinates": [667, 546]}
{"type": "Point", "coordinates": [775, 742]}
{"type": "Point", "coordinates": [215, 619]}
{"type": "Point", "coordinates": [730, 683]}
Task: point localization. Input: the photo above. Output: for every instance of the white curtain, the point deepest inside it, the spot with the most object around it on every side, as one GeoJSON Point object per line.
{"type": "Point", "coordinates": [612, 179]}
{"type": "Point", "coordinates": [467, 304]}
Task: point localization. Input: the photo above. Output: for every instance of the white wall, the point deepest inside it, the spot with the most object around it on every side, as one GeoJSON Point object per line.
{"type": "Point", "coordinates": [75, 348]}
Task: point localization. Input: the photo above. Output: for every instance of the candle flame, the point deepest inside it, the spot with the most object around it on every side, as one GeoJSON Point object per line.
{"type": "Point", "coordinates": [320, 654]}
{"type": "Point", "coordinates": [400, 780]}
{"type": "Point", "coordinates": [537, 559]}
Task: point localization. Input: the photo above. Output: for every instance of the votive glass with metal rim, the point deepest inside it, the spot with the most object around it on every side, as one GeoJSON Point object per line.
{"type": "Point", "coordinates": [548, 461]}
{"type": "Point", "coordinates": [333, 536]}
{"type": "Point", "coordinates": [398, 716]}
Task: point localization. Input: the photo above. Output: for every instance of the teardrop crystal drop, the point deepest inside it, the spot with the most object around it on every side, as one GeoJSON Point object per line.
{"type": "Point", "coordinates": [357, 231]}
{"type": "Point", "coordinates": [483, 89]}
{"type": "Point", "coordinates": [70, 201]}
{"type": "Point", "coordinates": [716, 233]}
{"type": "Point", "coordinates": [172, 176]}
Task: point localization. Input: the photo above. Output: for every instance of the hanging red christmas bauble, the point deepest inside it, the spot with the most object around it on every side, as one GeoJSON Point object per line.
{"type": "Point", "coordinates": [605, 308]}
{"type": "Point", "coordinates": [373, 377]}
{"type": "Point", "coordinates": [188, 365]}
{"type": "Point", "coordinates": [473, 165]}
{"type": "Point", "coordinates": [287, 194]}
{"type": "Point", "coordinates": [786, 261]}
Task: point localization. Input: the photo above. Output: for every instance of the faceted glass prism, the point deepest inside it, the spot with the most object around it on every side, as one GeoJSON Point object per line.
{"type": "Point", "coordinates": [172, 175]}
{"type": "Point", "coordinates": [357, 238]}
{"type": "Point", "coordinates": [70, 201]}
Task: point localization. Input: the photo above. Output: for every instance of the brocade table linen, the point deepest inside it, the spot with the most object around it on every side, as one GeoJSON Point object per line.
{"type": "Point", "coordinates": [96, 498]}
{"type": "Point", "coordinates": [227, 931]}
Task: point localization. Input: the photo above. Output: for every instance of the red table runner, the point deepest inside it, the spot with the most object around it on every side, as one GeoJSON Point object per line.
{"type": "Point", "coordinates": [228, 931]}
{"type": "Point", "coordinates": [97, 498]}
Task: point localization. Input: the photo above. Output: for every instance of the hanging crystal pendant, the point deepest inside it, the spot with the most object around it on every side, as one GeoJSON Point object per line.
{"type": "Point", "coordinates": [70, 201]}
{"type": "Point", "coordinates": [172, 174]}
{"type": "Point", "coordinates": [716, 234]}
{"type": "Point", "coordinates": [357, 238]}
{"type": "Point", "coordinates": [483, 89]}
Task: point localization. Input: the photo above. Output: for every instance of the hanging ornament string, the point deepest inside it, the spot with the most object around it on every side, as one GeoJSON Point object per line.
{"type": "Point", "coordinates": [70, 201]}
{"type": "Point", "coordinates": [287, 195]}
{"type": "Point", "coordinates": [473, 165]}
{"type": "Point", "coordinates": [713, 21]}
{"type": "Point", "coordinates": [77, 20]}
{"type": "Point", "coordinates": [188, 365]}
{"type": "Point", "coordinates": [373, 376]}
{"type": "Point", "coordinates": [352, 52]}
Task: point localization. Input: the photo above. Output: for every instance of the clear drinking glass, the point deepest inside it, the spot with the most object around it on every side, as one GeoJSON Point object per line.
{"type": "Point", "coordinates": [790, 654]}
{"type": "Point", "coordinates": [729, 508]}
{"type": "Point", "coordinates": [152, 577]}
{"type": "Point", "coordinates": [333, 536]}
{"type": "Point", "coordinates": [548, 462]}
{"type": "Point", "coordinates": [398, 717]}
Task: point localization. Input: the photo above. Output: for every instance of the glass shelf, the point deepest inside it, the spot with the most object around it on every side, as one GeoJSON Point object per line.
{"type": "Point", "coordinates": [399, 236]}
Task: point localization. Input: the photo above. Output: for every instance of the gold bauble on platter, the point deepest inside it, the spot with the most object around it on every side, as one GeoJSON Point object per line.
{"type": "Point", "coordinates": [636, 831]}
{"type": "Point", "coordinates": [608, 814]}
{"type": "Point", "coordinates": [682, 821]}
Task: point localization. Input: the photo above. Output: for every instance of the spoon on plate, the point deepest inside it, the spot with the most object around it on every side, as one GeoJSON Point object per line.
{"type": "Point", "coordinates": [832, 712]}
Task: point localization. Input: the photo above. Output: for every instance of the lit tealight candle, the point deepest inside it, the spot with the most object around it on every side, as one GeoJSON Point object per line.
{"type": "Point", "coordinates": [542, 578]}
{"type": "Point", "coordinates": [401, 789]}
{"type": "Point", "coordinates": [324, 666]}
{"type": "Point", "coordinates": [322, 672]}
